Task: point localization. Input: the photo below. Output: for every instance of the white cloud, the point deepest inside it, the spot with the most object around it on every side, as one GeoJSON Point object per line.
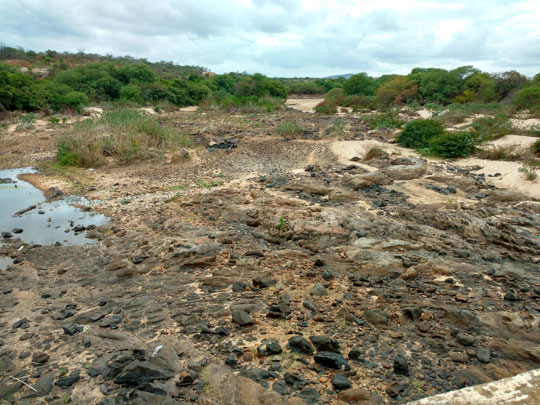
{"type": "Point", "coordinates": [287, 37]}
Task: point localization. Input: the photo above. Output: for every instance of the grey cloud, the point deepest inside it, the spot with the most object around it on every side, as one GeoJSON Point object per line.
{"type": "Point", "coordinates": [282, 37]}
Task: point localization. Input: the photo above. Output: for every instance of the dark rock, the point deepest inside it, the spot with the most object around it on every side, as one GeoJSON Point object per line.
{"type": "Point", "coordinates": [71, 328]}
{"type": "Point", "coordinates": [7, 235]}
{"type": "Point", "coordinates": [355, 354]}
{"type": "Point", "coordinates": [239, 286]}
{"type": "Point", "coordinates": [140, 372]}
{"type": "Point", "coordinates": [230, 360]}
{"type": "Point", "coordinates": [280, 387]}
{"type": "Point", "coordinates": [396, 389]}
{"type": "Point", "coordinates": [340, 382]}
{"type": "Point", "coordinates": [310, 396]}
{"type": "Point", "coordinates": [20, 323]}
{"type": "Point", "coordinates": [325, 343]}
{"type": "Point", "coordinates": [512, 295]}
{"type": "Point", "coordinates": [263, 282]}
{"type": "Point", "coordinates": [298, 344]}
{"type": "Point", "coordinates": [401, 365]}
{"type": "Point", "coordinates": [295, 381]}
{"type": "Point", "coordinates": [274, 348]}
{"type": "Point", "coordinates": [308, 304]}
{"type": "Point", "coordinates": [40, 358]}
{"type": "Point", "coordinates": [185, 379]}
{"type": "Point", "coordinates": [377, 317]}
{"type": "Point", "coordinates": [67, 381]}
{"type": "Point", "coordinates": [331, 360]}
{"type": "Point", "coordinates": [258, 374]}
{"type": "Point", "coordinates": [242, 318]}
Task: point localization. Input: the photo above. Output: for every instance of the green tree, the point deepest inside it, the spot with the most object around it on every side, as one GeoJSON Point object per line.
{"type": "Point", "coordinates": [397, 90]}
{"type": "Point", "coordinates": [360, 84]}
{"type": "Point", "coordinates": [528, 98]}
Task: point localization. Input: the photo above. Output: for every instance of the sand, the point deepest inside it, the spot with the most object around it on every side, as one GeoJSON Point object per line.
{"type": "Point", "coordinates": [304, 104]}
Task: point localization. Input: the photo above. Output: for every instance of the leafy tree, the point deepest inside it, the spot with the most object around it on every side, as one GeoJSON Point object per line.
{"type": "Point", "coordinates": [478, 87]}
{"type": "Point", "coordinates": [136, 73]}
{"type": "Point", "coordinates": [397, 90]}
{"type": "Point", "coordinates": [507, 82]}
{"type": "Point", "coordinates": [436, 85]}
{"type": "Point", "coordinates": [132, 93]}
{"type": "Point", "coordinates": [452, 145]}
{"type": "Point", "coordinates": [417, 134]}
{"type": "Point", "coordinates": [75, 100]}
{"type": "Point", "coordinates": [360, 84]}
{"type": "Point", "coordinates": [528, 98]}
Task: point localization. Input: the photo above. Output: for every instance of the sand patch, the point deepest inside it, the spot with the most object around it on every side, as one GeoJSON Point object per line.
{"type": "Point", "coordinates": [303, 104]}
{"type": "Point", "coordinates": [191, 108]}
{"type": "Point", "coordinates": [346, 150]}
{"type": "Point", "coordinates": [530, 123]}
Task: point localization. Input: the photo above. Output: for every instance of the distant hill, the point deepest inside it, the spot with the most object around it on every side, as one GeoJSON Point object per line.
{"type": "Point", "coordinates": [346, 76]}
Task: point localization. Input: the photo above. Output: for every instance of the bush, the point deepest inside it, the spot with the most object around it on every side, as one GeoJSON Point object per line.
{"type": "Point", "coordinates": [452, 145]}
{"type": "Point", "coordinates": [528, 98]}
{"type": "Point", "coordinates": [290, 128]}
{"type": "Point", "coordinates": [74, 100]}
{"type": "Point", "coordinates": [388, 119]}
{"type": "Point", "coordinates": [131, 93]}
{"type": "Point", "coordinates": [536, 147]}
{"type": "Point", "coordinates": [417, 134]}
{"type": "Point", "coordinates": [489, 128]}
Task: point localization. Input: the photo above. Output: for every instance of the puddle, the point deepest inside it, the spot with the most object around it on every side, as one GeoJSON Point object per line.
{"type": "Point", "coordinates": [49, 226]}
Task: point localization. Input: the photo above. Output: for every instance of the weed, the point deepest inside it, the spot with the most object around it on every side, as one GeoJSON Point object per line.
{"type": "Point", "coordinates": [53, 120]}
{"type": "Point", "coordinates": [530, 168]}
{"type": "Point", "coordinates": [27, 118]}
{"type": "Point", "coordinates": [374, 153]}
{"type": "Point", "coordinates": [509, 153]}
{"type": "Point", "coordinates": [66, 399]}
{"type": "Point", "coordinates": [63, 371]}
{"type": "Point", "coordinates": [125, 201]}
{"type": "Point", "coordinates": [489, 128]}
{"type": "Point", "coordinates": [281, 222]}
{"type": "Point", "coordinates": [290, 128]}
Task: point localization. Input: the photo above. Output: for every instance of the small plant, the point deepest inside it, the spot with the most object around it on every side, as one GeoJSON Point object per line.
{"type": "Point", "coordinates": [530, 168]}
{"type": "Point", "coordinates": [281, 222]}
{"type": "Point", "coordinates": [53, 120]}
{"type": "Point", "coordinates": [489, 128]}
{"type": "Point", "coordinates": [27, 118]}
{"type": "Point", "coordinates": [289, 128]}
{"type": "Point", "coordinates": [536, 147]}
{"type": "Point", "coordinates": [388, 119]}
{"type": "Point", "coordinates": [66, 399]}
{"type": "Point", "coordinates": [64, 120]}
{"type": "Point", "coordinates": [417, 134]}
{"type": "Point", "coordinates": [374, 153]}
{"type": "Point", "coordinates": [452, 145]}
{"type": "Point", "coordinates": [63, 371]}
{"type": "Point", "coordinates": [125, 201]}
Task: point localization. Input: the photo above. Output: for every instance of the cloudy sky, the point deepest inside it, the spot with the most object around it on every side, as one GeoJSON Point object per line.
{"type": "Point", "coordinates": [287, 37]}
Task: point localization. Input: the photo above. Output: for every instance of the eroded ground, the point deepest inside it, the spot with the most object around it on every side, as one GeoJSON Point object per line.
{"type": "Point", "coordinates": [282, 270]}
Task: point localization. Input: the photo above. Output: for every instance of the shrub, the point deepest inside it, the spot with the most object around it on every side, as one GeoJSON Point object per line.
{"type": "Point", "coordinates": [489, 128]}
{"type": "Point", "coordinates": [131, 93]}
{"type": "Point", "coordinates": [528, 98]}
{"type": "Point", "coordinates": [501, 152]}
{"type": "Point", "coordinates": [374, 153]}
{"type": "Point", "coordinates": [529, 169]}
{"type": "Point", "coordinates": [417, 134]}
{"type": "Point", "coordinates": [290, 128]}
{"type": "Point", "coordinates": [452, 145]}
{"type": "Point", "coordinates": [536, 147]}
{"type": "Point", "coordinates": [74, 100]}
{"type": "Point", "coordinates": [388, 119]}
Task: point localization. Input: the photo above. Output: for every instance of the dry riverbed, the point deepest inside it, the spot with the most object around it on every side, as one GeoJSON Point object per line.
{"type": "Point", "coordinates": [255, 268]}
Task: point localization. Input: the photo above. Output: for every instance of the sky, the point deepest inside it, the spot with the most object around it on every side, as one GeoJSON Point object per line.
{"type": "Point", "coordinates": [287, 38]}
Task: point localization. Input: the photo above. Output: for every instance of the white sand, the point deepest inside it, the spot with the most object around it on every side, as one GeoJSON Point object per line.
{"type": "Point", "coordinates": [526, 124]}
{"type": "Point", "coordinates": [304, 104]}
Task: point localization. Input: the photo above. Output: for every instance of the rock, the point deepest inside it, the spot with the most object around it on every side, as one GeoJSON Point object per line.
{"type": "Point", "coordinates": [17, 230]}
{"type": "Point", "coordinates": [401, 365]}
{"type": "Point", "coordinates": [308, 304]}
{"type": "Point", "coordinates": [280, 387]}
{"type": "Point", "coordinates": [395, 389]}
{"type": "Point", "coordinates": [274, 348]}
{"type": "Point", "coordinates": [355, 354]}
{"type": "Point", "coordinates": [239, 286]}
{"type": "Point", "coordinates": [331, 360]}
{"type": "Point", "coordinates": [465, 340]}
{"type": "Point", "coordinates": [142, 372]}
{"type": "Point", "coordinates": [483, 354]}
{"type": "Point", "coordinates": [7, 235]}
{"type": "Point", "coordinates": [408, 168]}
{"type": "Point", "coordinates": [71, 328]}
{"type": "Point", "coordinates": [185, 379]}
{"type": "Point", "coordinates": [377, 317]}
{"type": "Point", "coordinates": [263, 282]}
{"type": "Point", "coordinates": [310, 396]}
{"type": "Point", "coordinates": [298, 344]}
{"type": "Point", "coordinates": [511, 295]}
{"type": "Point", "coordinates": [325, 343]}
{"type": "Point", "coordinates": [242, 318]}
{"type": "Point", "coordinates": [40, 358]}
{"type": "Point", "coordinates": [318, 290]}
{"type": "Point", "coordinates": [340, 382]}
{"type": "Point", "coordinates": [356, 396]}
{"type": "Point", "coordinates": [44, 384]}
{"type": "Point", "coordinates": [68, 381]}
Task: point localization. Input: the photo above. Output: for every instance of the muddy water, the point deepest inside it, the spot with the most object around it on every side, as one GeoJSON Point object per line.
{"type": "Point", "coordinates": [48, 222]}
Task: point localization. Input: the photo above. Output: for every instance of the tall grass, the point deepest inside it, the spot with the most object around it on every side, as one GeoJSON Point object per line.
{"type": "Point", "coordinates": [122, 134]}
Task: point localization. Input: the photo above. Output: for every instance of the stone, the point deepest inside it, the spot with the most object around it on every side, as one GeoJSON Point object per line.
{"type": "Point", "coordinates": [355, 354]}
{"type": "Point", "coordinates": [356, 396]}
{"type": "Point", "coordinates": [377, 317]}
{"type": "Point", "coordinates": [263, 282]}
{"type": "Point", "coordinates": [325, 343]}
{"type": "Point", "coordinates": [239, 286]}
{"type": "Point", "coordinates": [142, 372]}
{"type": "Point", "coordinates": [40, 358]}
{"type": "Point", "coordinates": [511, 295]}
{"type": "Point", "coordinates": [242, 318]}
{"type": "Point", "coordinates": [274, 348]}
{"type": "Point", "coordinates": [310, 395]}
{"type": "Point", "coordinates": [318, 290]}
{"type": "Point", "coordinates": [67, 381]}
{"type": "Point", "coordinates": [7, 235]}
{"type": "Point", "coordinates": [401, 365]}
{"type": "Point", "coordinates": [298, 344]}
{"type": "Point", "coordinates": [71, 328]}
{"type": "Point", "coordinates": [340, 382]}
{"type": "Point", "coordinates": [483, 354]}
{"type": "Point", "coordinates": [465, 340]}
{"type": "Point", "coordinates": [331, 360]}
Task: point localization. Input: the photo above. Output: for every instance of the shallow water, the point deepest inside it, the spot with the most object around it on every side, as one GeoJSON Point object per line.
{"type": "Point", "coordinates": [50, 226]}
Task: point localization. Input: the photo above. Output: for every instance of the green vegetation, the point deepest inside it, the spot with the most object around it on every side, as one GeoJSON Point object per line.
{"type": "Point", "coordinates": [530, 168]}
{"type": "Point", "coordinates": [387, 119]}
{"type": "Point", "coordinates": [528, 98]}
{"type": "Point", "coordinates": [489, 128]}
{"type": "Point", "coordinates": [122, 134]}
{"type": "Point", "coordinates": [290, 128]}
{"type": "Point", "coordinates": [418, 134]}
{"type": "Point", "coordinates": [452, 145]}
